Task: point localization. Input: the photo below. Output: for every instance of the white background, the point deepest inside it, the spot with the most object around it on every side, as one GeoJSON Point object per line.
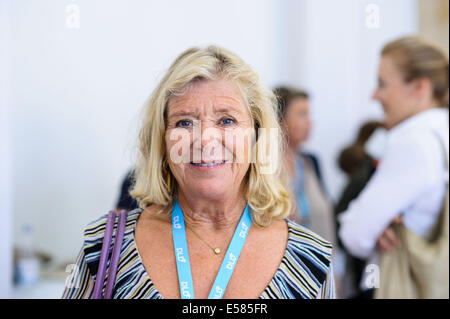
{"type": "Point", "coordinates": [70, 98]}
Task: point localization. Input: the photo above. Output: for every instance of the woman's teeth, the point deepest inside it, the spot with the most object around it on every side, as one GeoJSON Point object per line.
{"type": "Point", "coordinates": [207, 164]}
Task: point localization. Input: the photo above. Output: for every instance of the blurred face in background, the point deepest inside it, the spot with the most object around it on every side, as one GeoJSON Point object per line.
{"type": "Point", "coordinates": [297, 122]}
{"type": "Point", "coordinates": [399, 99]}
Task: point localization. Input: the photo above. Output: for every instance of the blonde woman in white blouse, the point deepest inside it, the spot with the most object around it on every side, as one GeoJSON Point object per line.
{"type": "Point", "coordinates": [410, 182]}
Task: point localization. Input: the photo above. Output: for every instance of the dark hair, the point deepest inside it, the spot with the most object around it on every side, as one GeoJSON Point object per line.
{"type": "Point", "coordinates": [354, 155]}
{"type": "Point", "coordinates": [285, 95]}
{"type": "Point", "coordinates": [366, 131]}
{"type": "Point", "coordinates": [351, 158]}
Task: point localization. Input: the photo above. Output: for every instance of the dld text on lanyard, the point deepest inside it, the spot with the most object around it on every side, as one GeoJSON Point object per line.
{"type": "Point", "coordinates": [228, 264]}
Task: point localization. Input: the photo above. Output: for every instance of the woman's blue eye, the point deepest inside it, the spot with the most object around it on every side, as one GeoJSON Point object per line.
{"type": "Point", "coordinates": [227, 121]}
{"type": "Point", "coordinates": [183, 123]}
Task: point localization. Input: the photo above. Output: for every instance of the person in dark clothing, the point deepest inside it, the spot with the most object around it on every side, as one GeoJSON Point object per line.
{"type": "Point", "coordinates": [125, 201]}
{"type": "Point", "coordinates": [359, 166]}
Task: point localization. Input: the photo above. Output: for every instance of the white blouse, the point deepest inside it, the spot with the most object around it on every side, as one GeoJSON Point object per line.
{"type": "Point", "coordinates": [411, 179]}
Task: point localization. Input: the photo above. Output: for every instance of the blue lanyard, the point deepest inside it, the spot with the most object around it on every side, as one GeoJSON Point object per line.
{"type": "Point", "coordinates": [301, 192]}
{"type": "Point", "coordinates": [304, 208]}
{"type": "Point", "coordinates": [228, 264]}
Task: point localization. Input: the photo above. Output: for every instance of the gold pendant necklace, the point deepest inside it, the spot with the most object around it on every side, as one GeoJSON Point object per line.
{"type": "Point", "coordinates": [216, 250]}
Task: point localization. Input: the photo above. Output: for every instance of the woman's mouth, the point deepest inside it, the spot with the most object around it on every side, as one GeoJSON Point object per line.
{"type": "Point", "coordinates": [211, 164]}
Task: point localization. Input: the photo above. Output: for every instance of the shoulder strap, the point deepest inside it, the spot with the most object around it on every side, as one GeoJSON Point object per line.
{"type": "Point", "coordinates": [419, 269]}
{"type": "Point", "coordinates": [443, 218]}
{"type": "Point", "coordinates": [112, 270]}
{"type": "Point", "coordinates": [444, 150]}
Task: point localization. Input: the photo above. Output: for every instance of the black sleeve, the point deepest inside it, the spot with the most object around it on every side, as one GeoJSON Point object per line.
{"type": "Point", "coordinates": [125, 201]}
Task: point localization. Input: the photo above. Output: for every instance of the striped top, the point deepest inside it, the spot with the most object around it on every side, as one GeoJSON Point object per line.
{"type": "Point", "coordinates": [305, 271]}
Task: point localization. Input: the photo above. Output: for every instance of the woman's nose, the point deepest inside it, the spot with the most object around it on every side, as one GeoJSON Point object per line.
{"type": "Point", "coordinates": [206, 134]}
{"type": "Point", "coordinates": [375, 95]}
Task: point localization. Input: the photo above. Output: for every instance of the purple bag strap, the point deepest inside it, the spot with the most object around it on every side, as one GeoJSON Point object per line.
{"type": "Point", "coordinates": [100, 278]}
{"type": "Point", "coordinates": [104, 256]}
{"type": "Point", "coordinates": [112, 272]}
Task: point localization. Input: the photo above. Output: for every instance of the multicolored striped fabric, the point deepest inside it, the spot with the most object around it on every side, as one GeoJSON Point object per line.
{"type": "Point", "coordinates": [305, 271]}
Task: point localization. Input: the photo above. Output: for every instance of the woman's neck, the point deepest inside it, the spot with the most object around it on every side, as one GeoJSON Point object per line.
{"type": "Point", "coordinates": [292, 150]}
{"type": "Point", "coordinates": [430, 105]}
{"type": "Point", "coordinates": [212, 214]}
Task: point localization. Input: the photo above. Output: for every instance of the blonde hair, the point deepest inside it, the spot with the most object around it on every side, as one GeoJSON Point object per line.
{"type": "Point", "coordinates": [416, 58]}
{"type": "Point", "coordinates": [265, 194]}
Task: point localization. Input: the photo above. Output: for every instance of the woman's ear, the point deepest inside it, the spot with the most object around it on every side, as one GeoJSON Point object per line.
{"type": "Point", "coordinates": [422, 89]}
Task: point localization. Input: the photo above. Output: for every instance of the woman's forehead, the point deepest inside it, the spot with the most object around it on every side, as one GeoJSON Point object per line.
{"type": "Point", "coordinates": [387, 67]}
{"type": "Point", "coordinates": [218, 96]}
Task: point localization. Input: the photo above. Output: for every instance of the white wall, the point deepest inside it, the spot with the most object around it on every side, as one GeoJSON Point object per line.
{"type": "Point", "coordinates": [334, 55]}
{"type": "Point", "coordinates": [5, 159]}
{"type": "Point", "coordinates": [75, 94]}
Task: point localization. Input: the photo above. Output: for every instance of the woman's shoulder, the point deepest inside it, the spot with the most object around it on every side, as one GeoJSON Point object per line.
{"type": "Point", "coordinates": [95, 230]}
{"type": "Point", "coordinates": [306, 270]}
{"type": "Point", "coordinates": [423, 146]}
{"type": "Point", "coordinates": [313, 251]}
{"type": "Point", "coordinates": [303, 234]}
{"type": "Point", "coordinates": [94, 233]}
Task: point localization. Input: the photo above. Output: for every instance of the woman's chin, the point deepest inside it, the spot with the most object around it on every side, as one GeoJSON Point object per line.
{"type": "Point", "coordinates": [207, 189]}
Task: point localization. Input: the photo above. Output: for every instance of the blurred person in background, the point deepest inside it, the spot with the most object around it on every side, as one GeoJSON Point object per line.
{"type": "Point", "coordinates": [359, 164]}
{"type": "Point", "coordinates": [311, 205]}
{"type": "Point", "coordinates": [410, 183]}
{"type": "Point", "coordinates": [125, 200]}
{"type": "Point", "coordinates": [355, 156]}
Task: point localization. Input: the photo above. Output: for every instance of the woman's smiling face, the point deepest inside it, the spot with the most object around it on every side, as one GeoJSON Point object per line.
{"type": "Point", "coordinates": [208, 137]}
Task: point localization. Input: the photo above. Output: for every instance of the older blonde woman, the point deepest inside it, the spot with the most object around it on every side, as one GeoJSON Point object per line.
{"type": "Point", "coordinates": [212, 217]}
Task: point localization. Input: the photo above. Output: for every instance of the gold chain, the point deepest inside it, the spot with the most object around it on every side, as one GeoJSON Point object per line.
{"type": "Point", "coordinates": [216, 250]}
